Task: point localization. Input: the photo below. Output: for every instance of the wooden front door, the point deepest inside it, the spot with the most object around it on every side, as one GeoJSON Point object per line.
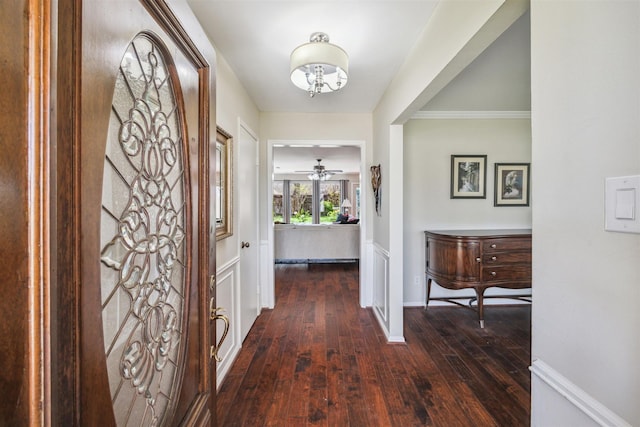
{"type": "Point", "coordinates": [133, 212]}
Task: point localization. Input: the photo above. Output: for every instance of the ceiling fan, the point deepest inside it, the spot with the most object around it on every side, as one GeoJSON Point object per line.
{"type": "Point", "coordinates": [319, 172]}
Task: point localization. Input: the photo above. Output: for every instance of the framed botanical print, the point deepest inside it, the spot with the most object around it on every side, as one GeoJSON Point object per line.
{"type": "Point", "coordinates": [468, 176]}
{"type": "Point", "coordinates": [511, 184]}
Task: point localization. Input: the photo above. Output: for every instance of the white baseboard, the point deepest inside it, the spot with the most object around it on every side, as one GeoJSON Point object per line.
{"type": "Point", "coordinates": [578, 397]}
{"type": "Point", "coordinates": [410, 304]}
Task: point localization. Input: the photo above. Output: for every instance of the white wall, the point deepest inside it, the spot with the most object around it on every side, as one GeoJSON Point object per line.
{"type": "Point", "coordinates": [428, 146]}
{"type": "Point", "coordinates": [586, 281]}
{"type": "Point", "coordinates": [233, 106]}
{"type": "Point", "coordinates": [456, 34]}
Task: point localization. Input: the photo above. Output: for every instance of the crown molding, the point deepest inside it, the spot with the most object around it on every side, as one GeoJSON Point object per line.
{"type": "Point", "coordinates": [472, 115]}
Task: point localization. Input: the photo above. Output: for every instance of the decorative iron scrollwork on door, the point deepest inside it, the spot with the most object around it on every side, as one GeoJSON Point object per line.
{"type": "Point", "coordinates": [144, 237]}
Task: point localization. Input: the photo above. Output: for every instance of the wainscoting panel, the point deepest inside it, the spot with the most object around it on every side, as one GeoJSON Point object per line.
{"type": "Point", "coordinates": [381, 287]}
{"type": "Point", "coordinates": [366, 273]}
{"type": "Point", "coordinates": [267, 289]}
{"type": "Point", "coordinates": [227, 291]}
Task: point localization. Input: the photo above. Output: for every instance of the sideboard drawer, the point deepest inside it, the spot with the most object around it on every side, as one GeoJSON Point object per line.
{"type": "Point", "coordinates": [493, 245]}
{"type": "Point", "coordinates": [506, 258]}
{"type": "Point", "coordinates": [509, 273]}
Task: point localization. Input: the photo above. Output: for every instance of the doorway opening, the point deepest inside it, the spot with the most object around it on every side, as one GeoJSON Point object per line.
{"type": "Point", "coordinates": [316, 206]}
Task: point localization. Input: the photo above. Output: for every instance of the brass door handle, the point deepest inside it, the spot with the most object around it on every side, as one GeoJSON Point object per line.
{"type": "Point", "coordinates": [213, 316]}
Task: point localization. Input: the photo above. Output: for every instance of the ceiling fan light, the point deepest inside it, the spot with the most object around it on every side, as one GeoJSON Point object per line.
{"type": "Point", "coordinates": [319, 66]}
{"type": "Point", "coordinates": [320, 173]}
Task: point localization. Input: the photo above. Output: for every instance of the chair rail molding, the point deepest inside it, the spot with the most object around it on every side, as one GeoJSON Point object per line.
{"type": "Point", "coordinates": [578, 397]}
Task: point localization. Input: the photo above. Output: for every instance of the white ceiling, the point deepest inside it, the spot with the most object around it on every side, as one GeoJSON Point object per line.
{"type": "Point", "coordinates": [287, 160]}
{"type": "Point", "coordinates": [256, 38]}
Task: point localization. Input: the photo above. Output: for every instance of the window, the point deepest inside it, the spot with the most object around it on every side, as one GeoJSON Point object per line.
{"type": "Point", "coordinates": [306, 202]}
{"type": "Point", "coordinates": [329, 201]}
{"type": "Point", "coordinates": [300, 202]}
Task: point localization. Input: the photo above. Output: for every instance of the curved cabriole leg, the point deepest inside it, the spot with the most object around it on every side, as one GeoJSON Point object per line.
{"type": "Point", "coordinates": [480, 295]}
{"type": "Point", "coordinates": [428, 292]}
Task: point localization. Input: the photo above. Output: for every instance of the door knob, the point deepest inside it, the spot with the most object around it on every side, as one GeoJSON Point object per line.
{"type": "Point", "coordinates": [244, 245]}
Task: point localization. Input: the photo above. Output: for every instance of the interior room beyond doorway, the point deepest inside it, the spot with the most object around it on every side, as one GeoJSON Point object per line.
{"type": "Point", "coordinates": [315, 204]}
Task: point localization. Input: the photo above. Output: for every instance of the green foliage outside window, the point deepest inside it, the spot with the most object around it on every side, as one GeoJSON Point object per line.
{"type": "Point", "coordinates": [301, 217]}
{"type": "Point", "coordinates": [331, 217]}
{"type": "Point", "coordinates": [329, 213]}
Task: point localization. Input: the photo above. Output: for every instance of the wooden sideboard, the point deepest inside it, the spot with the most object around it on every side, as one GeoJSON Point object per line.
{"type": "Point", "coordinates": [478, 259]}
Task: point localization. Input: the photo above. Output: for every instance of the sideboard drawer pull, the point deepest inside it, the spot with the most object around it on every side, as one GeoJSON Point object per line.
{"type": "Point", "coordinates": [493, 246]}
{"type": "Point", "coordinates": [493, 273]}
{"type": "Point", "coordinates": [493, 258]}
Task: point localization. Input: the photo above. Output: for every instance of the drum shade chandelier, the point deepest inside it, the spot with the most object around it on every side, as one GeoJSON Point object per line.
{"type": "Point", "coordinates": [319, 66]}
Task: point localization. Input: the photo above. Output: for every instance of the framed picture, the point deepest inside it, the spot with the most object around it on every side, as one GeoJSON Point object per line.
{"type": "Point", "coordinates": [376, 182]}
{"type": "Point", "coordinates": [512, 184]}
{"type": "Point", "coordinates": [224, 184]}
{"type": "Point", "coordinates": [468, 176]}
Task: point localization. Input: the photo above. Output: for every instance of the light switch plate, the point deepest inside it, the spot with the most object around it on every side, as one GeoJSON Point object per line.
{"type": "Point", "coordinates": [622, 204]}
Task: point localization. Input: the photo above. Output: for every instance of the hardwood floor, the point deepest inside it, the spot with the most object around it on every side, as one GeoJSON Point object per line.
{"type": "Point", "coordinates": [320, 359]}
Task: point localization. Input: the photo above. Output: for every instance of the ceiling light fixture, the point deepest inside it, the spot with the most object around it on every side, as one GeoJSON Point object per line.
{"type": "Point", "coordinates": [319, 176]}
{"type": "Point", "coordinates": [319, 66]}
{"type": "Point", "coordinates": [320, 173]}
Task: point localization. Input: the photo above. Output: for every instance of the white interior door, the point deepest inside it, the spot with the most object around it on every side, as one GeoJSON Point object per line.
{"type": "Point", "coordinates": [248, 228]}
